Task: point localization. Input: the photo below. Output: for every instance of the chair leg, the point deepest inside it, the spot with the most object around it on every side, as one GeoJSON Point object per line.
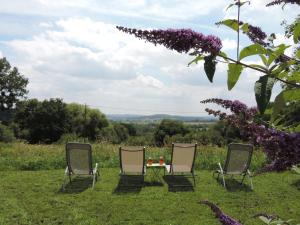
{"type": "Point", "coordinates": [194, 179]}
{"type": "Point", "coordinates": [223, 178]}
{"type": "Point", "coordinates": [94, 179]}
{"type": "Point", "coordinates": [64, 183]}
{"type": "Point", "coordinates": [251, 183]}
{"type": "Point", "coordinates": [243, 178]}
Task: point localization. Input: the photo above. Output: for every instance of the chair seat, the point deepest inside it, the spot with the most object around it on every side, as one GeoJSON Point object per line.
{"type": "Point", "coordinates": [178, 169]}
{"type": "Point", "coordinates": [132, 169]}
{"type": "Point", "coordinates": [230, 173]}
{"type": "Point", "coordinates": [81, 172]}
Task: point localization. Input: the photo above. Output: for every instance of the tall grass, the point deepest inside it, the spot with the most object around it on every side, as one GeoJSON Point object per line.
{"type": "Point", "coordinates": [21, 156]}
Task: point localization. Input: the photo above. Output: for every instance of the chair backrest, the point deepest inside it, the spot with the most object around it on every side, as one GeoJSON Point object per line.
{"type": "Point", "coordinates": [238, 158]}
{"type": "Point", "coordinates": [79, 158]}
{"type": "Point", "coordinates": [132, 159]}
{"type": "Point", "coordinates": [183, 157]}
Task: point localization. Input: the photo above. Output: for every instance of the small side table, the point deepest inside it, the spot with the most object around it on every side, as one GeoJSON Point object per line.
{"type": "Point", "coordinates": [156, 167]}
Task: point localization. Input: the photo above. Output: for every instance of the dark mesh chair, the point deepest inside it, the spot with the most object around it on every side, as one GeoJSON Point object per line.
{"type": "Point", "coordinates": [237, 162]}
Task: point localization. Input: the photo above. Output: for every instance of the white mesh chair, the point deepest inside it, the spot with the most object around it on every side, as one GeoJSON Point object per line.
{"type": "Point", "coordinates": [237, 162]}
{"type": "Point", "coordinates": [79, 161]}
{"type": "Point", "coordinates": [182, 160]}
{"type": "Point", "coordinates": [132, 160]}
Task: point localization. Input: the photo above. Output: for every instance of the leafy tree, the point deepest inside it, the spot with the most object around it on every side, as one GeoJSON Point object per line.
{"type": "Point", "coordinates": [45, 121]}
{"type": "Point", "coordinates": [84, 121]}
{"type": "Point", "coordinates": [6, 134]}
{"type": "Point", "coordinates": [121, 131]}
{"type": "Point", "coordinates": [170, 128]}
{"type": "Point", "coordinates": [12, 85]}
{"type": "Point", "coordinates": [131, 129]}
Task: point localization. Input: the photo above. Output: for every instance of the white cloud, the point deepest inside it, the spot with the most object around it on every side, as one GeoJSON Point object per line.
{"type": "Point", "coordinates": [154, 10]}
{"type": "Point", "coordinates": [228, 44]}
{"type": "Point", "coordinates": [73, 51]}
{"type": "Point", "coordinates": [86, 61]}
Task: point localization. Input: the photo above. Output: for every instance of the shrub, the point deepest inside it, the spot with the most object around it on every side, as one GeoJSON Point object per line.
{"type": "Point", "coordinates": [6, 134]}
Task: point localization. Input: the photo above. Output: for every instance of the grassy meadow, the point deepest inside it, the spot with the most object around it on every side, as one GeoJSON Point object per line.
{"type": "Point", "coordinates": [32, 175]}
{"type": "Point", "coordinates": [20, 156]}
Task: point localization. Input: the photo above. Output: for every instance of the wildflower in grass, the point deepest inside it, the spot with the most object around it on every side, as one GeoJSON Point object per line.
{"type": "Point", "coordinates": [180, 40]}
{"type": "Point", "coordinates": [223, 218]}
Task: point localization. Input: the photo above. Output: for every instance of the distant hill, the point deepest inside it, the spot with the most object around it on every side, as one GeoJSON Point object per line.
{"type": "Point", "coordinates": [157, 118]}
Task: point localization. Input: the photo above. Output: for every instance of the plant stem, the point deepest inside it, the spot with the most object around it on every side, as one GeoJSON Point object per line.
{"type": "Point", "coordinates": [260, 70]}
{"type": "Point", "coordinates": [238, 31]}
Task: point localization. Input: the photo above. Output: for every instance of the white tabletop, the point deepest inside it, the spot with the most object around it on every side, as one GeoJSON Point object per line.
{"type": "Point", "coordinates": [155, 165]}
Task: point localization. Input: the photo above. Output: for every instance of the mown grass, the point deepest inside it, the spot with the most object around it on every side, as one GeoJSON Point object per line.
{"type": "Point", "coordinates": [20, 156]}
{"type": "Point", "coordinates": [35, 197]}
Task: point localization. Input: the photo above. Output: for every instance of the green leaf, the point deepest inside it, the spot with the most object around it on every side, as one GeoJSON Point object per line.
{"type": "Point", "coordinates": [259, 67]}
{"type": "Point", "coordinates": [265, 219]}
{"type": "Point", "coordinates": [298, 53]}
{"type": "Point", "coordinates": [233, 24]}
{"type": "Point", "coordinates": [233, 4]}
{"type": "Point", "coordinates": [245, 27]}
{"type": "Point", "coordinates": [296, 169]}
{"type": "Point", "coordinates": [264, 59]}
{"type": "Point", "coordinates": [282, 99]}
{"type": "Point", "coordinates": [234, 72]}
{"type": "Point", "coordinates": [210, 67]}
{"type": "Point", "coordinates": [263, 90]}
{"type": "Point", "coordinates": [279, 50]}
{"type": "Point", "coordinates": [223, 55]}
{"type": "Point", "coordinates": [254, 49]}
{"type": "Point", "coordinates": [196, 60]}
{"type": "Point", "coordinates": [296, 32]}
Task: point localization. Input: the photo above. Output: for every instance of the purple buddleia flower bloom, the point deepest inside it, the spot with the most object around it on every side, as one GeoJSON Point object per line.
{"type": "Point", "coordinates": [281, 148]}
{"type": "Point", "coordinates": [278, 2]}
{"type": "Point", "coordinates": [223, 218]}
{"type": "Point", "coordinates": [256, 35]}
{"type": "Point", "coordinates": [180, 40]}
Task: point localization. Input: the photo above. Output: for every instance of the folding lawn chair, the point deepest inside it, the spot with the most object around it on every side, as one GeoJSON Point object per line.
{"type": "Point", "coordinates": [237, 162]}
{"type": "Point", "coordinates": [79, 161]}
{"type": "Point", "coordinates": [182, 160]}
{"type": "Point", "coordinates": [132, 160]}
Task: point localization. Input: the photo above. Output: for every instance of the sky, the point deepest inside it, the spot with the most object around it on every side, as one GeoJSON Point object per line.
{"type": "Point", "coordinates": [70, 49]}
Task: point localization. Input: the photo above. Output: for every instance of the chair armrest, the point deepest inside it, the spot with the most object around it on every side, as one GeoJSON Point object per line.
{"type": "Point", "coordinates": [66, 171]}
{"type": "Point", "coordinates": [249, 173]}
{"type": "Point", "coordinates": [168, 168]}
{"type": "Point", "coordinates": [96, 168]}
{"type": "Point", "coordinates": [221, 169]}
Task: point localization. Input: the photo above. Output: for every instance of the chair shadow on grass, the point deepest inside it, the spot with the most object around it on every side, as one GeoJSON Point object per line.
{"type": "Point", "coordinates": [153, 183]}
{"type": "Point", "coordinates": [77, 185]}
{"type": "Point", "coordinates": [129, 184]}
{"type": "Point", "coordinates": [177, 183]}
{"type": "Point", "coordinates": [233, 185]}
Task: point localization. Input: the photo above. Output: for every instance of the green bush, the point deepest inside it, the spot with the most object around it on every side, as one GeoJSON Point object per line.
{"type": "Point", "coordinates": [6, 134]}
{"type": "Point", "coordinates": [69, 138]}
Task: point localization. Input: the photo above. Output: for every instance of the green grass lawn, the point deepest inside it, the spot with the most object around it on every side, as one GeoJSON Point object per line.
{"type": "Point", "coordinates": [34, 197]}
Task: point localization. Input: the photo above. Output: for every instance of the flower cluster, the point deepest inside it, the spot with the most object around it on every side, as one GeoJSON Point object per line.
{"type": "Point", "coordinates": [223, 218]}
{"type": "Point", "coordinates": [256, 35]}
{"type": "Point", "coordinates": [278, 2]}
{"type": "Point", "coordinates": [180, 40]}
{"type": "Point", "coordinates": [282, 149]}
